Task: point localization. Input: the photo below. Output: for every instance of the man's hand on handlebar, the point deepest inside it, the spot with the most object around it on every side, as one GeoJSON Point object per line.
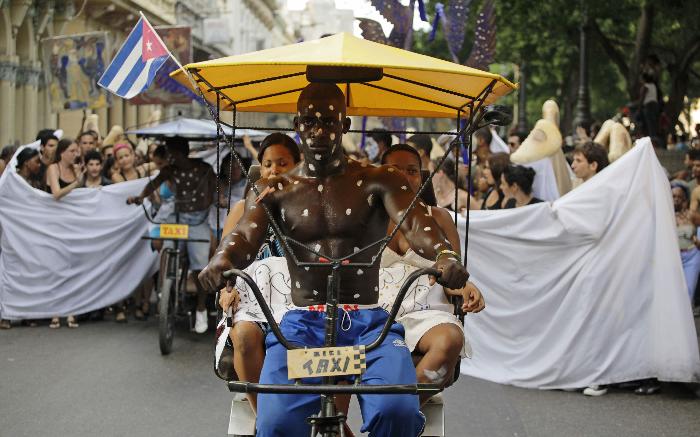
{"type": "Point", "coordinates": [453, 274]}
{"type": "Point", "coordinates": [211, 277]}
{"type": "Point", "coordinates": [137, 200]}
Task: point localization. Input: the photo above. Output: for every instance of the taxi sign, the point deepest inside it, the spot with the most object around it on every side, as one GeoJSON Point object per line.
{"type": "Point", "coordinates": [174, 231]}
{"type": "Point", "coordinates": [326, 361]}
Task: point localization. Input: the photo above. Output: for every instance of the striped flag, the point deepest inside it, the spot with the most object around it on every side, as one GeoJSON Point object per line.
{"type": "Point", "coordinates": [134, 67]}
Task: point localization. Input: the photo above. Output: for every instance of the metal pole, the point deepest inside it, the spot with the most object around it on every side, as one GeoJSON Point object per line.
{"type": "Point", "coordinates": [522, 99]}
{"type": "Point", "coordinates": [582, 113]}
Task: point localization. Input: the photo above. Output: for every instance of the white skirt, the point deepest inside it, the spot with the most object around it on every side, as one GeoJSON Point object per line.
{"type": "Point", "coordinates": [417, 323]}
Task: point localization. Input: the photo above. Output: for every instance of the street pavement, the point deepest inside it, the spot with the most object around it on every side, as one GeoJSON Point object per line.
{"type": "Point", "coordinates": [106, 379]}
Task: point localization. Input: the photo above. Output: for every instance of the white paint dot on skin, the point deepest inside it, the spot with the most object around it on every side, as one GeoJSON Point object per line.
{"type": "Point", "coordinates": [311, 106]}
{"type": "Point", "coordinates": [280, 186]}
{"type": "Point", "coordinates": [308, 141]}
{"type": "Point", "coordinates": [400, 213]}
{"type": "Point", "coordinates": [340, 116]}
{"type": "Point", "coordinates": [391, 169]}
{"type": "Point", "coordinates": [356, 295]}
{"type": "Point", "coordinates": [296, 182]}
{"type": "Point", "coordinates": [359, 183]}
{"type": "Point", "coordinates": [437, 246]}
{"type": "Point", "coordinates": [355, 249]}
{"type": "Point", "coordinates": [348, 211]}
{"type": "Point", "coordinates": [360, 272]}
{"type": "Point", "coordinates": [320, 188]}
{"type": "Point", "coordinates": [376, 288]}
{"type": "Point", "coordinates": [364, 164]}
{"type": "Point", "coordinates": [314, 292]}
{"type": "Point", "coordinates": [306, 268]}
{"type": "Point", "coordinates": [301, 127]}
{"type": "Point", "coordinates": [311, 167]}
{"type": "Point", "coordinates": [252, 207]}
{"type": "Point", "coordinates": [332, 137]}
{"type": "Point", "coordinates": [317, 247]}
{"type": "Point", "coordinates": [247, 257]}
{"type": "Point", "coordinates": [220, 252]}
{"type": "Point", "coordinates": [336, 163]}
{"type": "Point", "coordinates": [298, 284]}
{"type": "Point", "coordinates": [318, 115]}
{"type": "Point", "coordinates": [253, 225]}
{"type": "Point", "coordinates": [305, 213]}
{"type": "Point", "coordinates": [233, 243]}
{"type": "Point", "coordinates": [369, 199]}
{"type": "Point", "coordinates": [282, 213]}
{"type": "Point", "coordinates": [317, 157]}
{"type": "Point", "coordinates": [427, 228]}
{"type": "Point", "coordinates": [421, 251]}
{"type": "Point", "coordinates": [404, 187]}
{"type": "Point", "coordinates": [331, 107]}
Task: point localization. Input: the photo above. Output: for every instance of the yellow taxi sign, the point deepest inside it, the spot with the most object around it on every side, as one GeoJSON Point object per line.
{"type": "Point", "coordinates": [326, 361]}
{"type": "Point", "coordinates": [174, 231]}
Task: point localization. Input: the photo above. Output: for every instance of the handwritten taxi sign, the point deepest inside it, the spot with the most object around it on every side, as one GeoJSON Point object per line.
{"type": "Point", "coordinates": [174, 231]}
{"type": "Point", "coordinates": [326, 361]}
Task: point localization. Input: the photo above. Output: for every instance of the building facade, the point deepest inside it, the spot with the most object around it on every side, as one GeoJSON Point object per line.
{"type": "Point", "coordinates": [219, 28]}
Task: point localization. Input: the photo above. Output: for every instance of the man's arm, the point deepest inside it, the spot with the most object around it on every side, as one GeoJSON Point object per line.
{"type": "Point", "coordinates": [694, 204]}
{"type": "Point", "coordinates": [238, 249]}
{"type": "Point", "coordinates": [150, 187]}
{"type": "Point", "coordinates": [422, 232]}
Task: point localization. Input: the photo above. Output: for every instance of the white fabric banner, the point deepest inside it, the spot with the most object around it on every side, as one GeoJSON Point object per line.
{"type": "Point", "coordinates": [586, 290]}
{"type": "Point", "coordinates": [81, 253]}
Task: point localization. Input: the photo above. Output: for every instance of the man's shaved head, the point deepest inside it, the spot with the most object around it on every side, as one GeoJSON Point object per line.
{"type": "Point", "coordinates": [321, 122]}
{"type": "Point", "coordinates": [321, 91]}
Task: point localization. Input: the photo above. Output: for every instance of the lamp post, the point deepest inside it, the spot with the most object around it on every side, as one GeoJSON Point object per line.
{"type": "Point", "coordinates": [582, 113]}
{"type": "Point", "coordinates": [522, 99]}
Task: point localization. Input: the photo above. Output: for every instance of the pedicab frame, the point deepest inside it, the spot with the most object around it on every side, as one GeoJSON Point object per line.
{"type": "Point", "coordinates": [273, 79]}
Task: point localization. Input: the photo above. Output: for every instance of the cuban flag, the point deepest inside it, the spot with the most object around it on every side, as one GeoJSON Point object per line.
{"type": "Point", "coordinates": [135, 66]}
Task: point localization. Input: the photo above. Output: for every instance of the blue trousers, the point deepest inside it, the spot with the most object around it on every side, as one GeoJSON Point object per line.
{"type": "Point", "coordinates": [383, 415]}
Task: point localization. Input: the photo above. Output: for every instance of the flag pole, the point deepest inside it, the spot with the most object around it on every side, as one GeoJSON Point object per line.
{"type": "Point", "coordinates": [183, 69]}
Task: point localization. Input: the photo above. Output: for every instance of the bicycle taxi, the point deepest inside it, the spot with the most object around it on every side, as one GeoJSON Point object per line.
{"type": "Point", "coordinates": [174, 234]}
{"type": "Point", "coordinates": [376, 80]}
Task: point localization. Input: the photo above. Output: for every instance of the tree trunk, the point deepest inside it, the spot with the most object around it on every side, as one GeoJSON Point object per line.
{"type": "Point", "coordinates": [676, 97]}
{"type": "Point", "coordinates": [641, 49]}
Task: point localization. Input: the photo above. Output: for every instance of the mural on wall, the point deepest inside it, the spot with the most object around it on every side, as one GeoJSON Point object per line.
{"type": "Point", "coordinates": [74, 63]}
{"type": "Point", "coordinates": [166, 90]}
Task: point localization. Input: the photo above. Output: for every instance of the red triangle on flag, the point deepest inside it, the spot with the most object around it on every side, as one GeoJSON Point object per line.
{"type": "Point", "coordinates": [151, 47]}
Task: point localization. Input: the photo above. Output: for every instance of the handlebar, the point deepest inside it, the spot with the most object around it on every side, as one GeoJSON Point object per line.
{"type": "Point", "coordinates": [411, 389]}
{"type": "Point", "coordinates": [281, 338]}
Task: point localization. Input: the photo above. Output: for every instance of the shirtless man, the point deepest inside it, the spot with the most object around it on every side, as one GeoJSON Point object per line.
{"type": "Point", "coordinates": [335, 206]}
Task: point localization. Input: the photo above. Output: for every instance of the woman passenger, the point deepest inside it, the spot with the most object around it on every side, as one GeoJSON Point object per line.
{"type": "Point", "coordinates": [434, 333]}
{"type": "Point", "coordinates": [494, 168]}
{"type": "Point", "coordinates": [277, 155]}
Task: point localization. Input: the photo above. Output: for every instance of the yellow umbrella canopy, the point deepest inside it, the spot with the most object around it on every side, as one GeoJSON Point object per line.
{"type": "Point", "coordinates": [376, 79]}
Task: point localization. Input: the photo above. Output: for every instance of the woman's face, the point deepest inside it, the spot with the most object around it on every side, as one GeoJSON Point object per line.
{"type": "Point", "coordinates": [125, 159]}
{"type": "Point", "coordinates": [488, 175]}
{"type": "Point", "coordinates": [409, 165]}
{"type": "Point", "coordinates": [507, 190]}
{"type": "Point", "coordinates": [94, 167]}
{"type": "Point", "coordinates": [34, 165]}
{"type": "Point", "coordinates": [275, 161]}
{"type": "Point", "coordinates": [70, 154]}
{"type": "Point", "coordinates": [482, 182]}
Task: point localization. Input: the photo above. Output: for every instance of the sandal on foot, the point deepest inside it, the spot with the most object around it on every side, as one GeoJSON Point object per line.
{"type": "Point", "coordinates": [120, 317]}
{"type": "Point", "coordinates": [55, 324]}
{"type": "Point", "coordinates": [72, 322]}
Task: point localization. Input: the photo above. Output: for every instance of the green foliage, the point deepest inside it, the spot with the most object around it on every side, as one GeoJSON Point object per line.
{"type": "Point", "coordinates": [545, 35]}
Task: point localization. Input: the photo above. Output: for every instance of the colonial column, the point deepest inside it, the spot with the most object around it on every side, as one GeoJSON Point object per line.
{"type": "Point", "coordinates": [8, 77]}
{"type": "Point", "coordinates": [116, 113]}
{"type": "Point", "coordinates": [130, 118]}
{"type": "Point", "coordinates": [28, 81]}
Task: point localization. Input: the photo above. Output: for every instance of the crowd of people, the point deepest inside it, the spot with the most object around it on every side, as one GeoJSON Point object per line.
{"type": "Point", "coordinates": [60, 165]}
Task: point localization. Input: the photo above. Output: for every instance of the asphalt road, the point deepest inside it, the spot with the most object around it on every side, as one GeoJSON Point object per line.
{"type": "Point", "coordinates": [105, 379]}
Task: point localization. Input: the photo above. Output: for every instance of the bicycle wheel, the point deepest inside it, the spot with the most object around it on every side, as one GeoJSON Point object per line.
{"type": "Point", "coordinates": [166, 310]}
